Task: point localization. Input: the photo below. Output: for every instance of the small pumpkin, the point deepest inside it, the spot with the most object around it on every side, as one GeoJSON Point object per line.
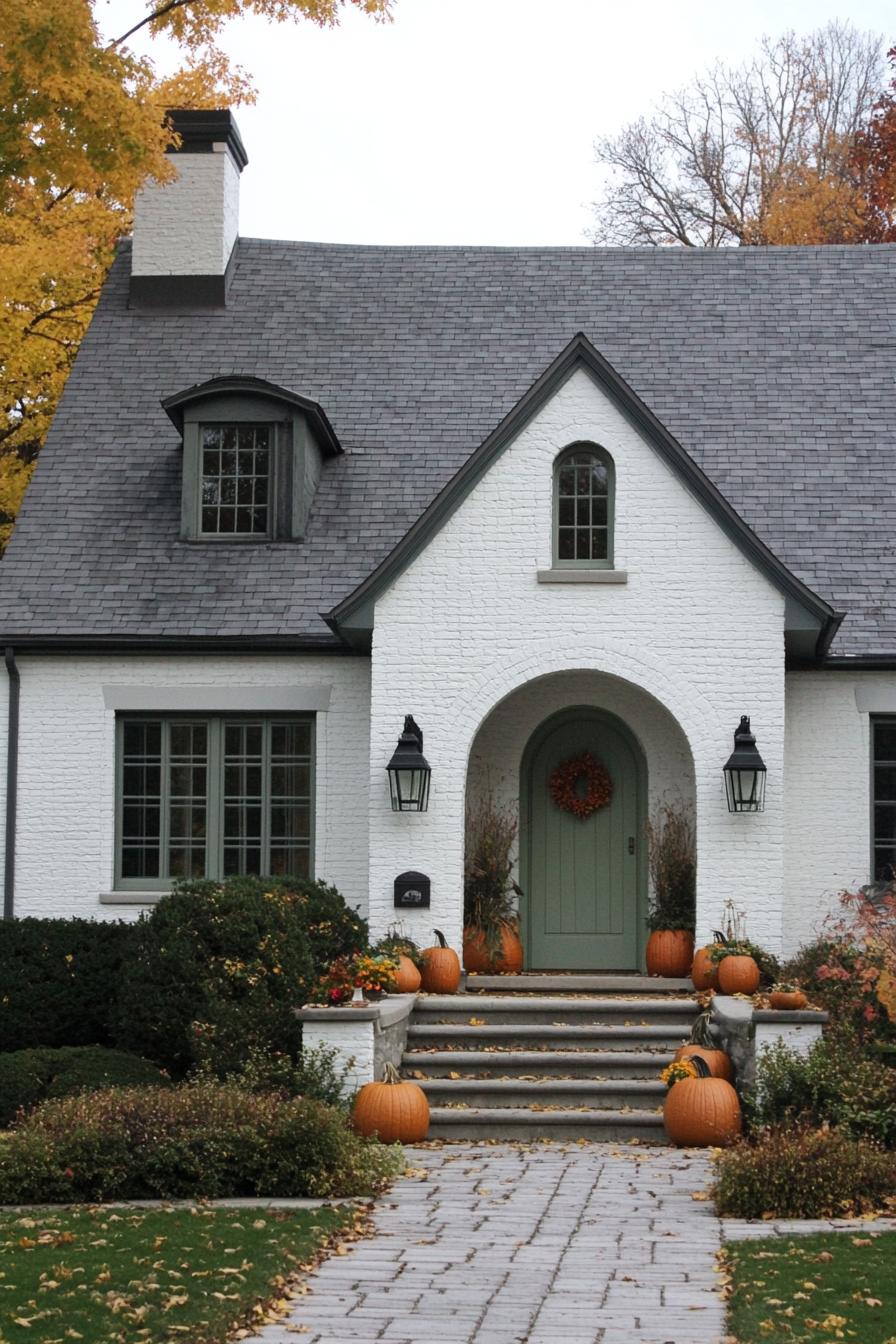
{"type": "Point", "coordinates": [407, 979]}
{"type": "Point", "coordinates": [441, 967]}
{"type": "Point", "coordinates": [702, 1112]}
{"type": "Point", "coordinates": [704, 971]}
{"type": "Point", "coordinates": [670, 952]}
{"type": "Point", "coordinates": [738, 975]}
{"type": "Point", "coordinates": [509, 959]}
{"type": "Point", "coordinates": [790, 1000]}
{"type": "Point", "coordinates": [717, 1061]}
{"type": "Point", "coordinates": [396, 1111]}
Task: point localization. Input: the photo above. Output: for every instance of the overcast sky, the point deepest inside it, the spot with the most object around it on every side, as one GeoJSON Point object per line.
{"type": "Point", "coordinates": [467, 121]}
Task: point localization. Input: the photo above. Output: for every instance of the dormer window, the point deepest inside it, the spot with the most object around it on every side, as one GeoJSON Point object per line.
{"type": "Point", "coordinates": [235, 494]}
{"type": "Point", "coordinates": [253, 455]}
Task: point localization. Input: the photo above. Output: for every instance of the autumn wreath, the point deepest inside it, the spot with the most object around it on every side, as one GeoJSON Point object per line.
{"type": "Point", "coordinates": [564, 782]}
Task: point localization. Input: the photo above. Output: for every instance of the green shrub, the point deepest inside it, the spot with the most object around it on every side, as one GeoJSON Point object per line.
{"type": "Point", "coordinates": [31, 1076]}
{"type": "Point", "coordinates": [803, 1173]}
{"type": "Point", "coordinates": [201, 1140]}
{"type": "Point", "coordinates": [837, 1083]}
{"type": "Point", "coordinates": [217, 970]}
{"type": "Point", "coordinates": [59, 979]}
{"type": "Point", "coordinates": [317, 1075]}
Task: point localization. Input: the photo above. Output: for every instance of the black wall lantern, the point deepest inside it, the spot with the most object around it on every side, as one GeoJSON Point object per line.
{"type": "Point", "coordinates": [409, 771]}
{"type": "Point", "coordinates": [745, 772]}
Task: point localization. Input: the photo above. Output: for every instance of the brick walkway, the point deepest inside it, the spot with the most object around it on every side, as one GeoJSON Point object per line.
{"type": "Point", "coordinates": [596, 1244]}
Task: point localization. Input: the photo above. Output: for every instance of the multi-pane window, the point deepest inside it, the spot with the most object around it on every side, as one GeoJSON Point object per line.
{"type": "Point", "coordinates": [883, 793]}
{"type": "Point", "coordinates": [582, 508]}
{"type": "Point", "coordinates": [213, 797]}
{"type": "Point", "coordinates": [236, 479]}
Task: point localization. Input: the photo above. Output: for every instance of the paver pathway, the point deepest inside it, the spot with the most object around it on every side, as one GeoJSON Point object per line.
{"type": "Point", "coordinates": [499, 1244]}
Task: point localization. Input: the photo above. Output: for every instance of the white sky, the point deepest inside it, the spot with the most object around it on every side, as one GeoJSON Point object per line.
{"type": "Point", "coordinates": [467, 121]}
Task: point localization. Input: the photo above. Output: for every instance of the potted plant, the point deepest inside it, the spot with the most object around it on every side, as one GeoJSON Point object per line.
{"type": "Point", "coordinates": [787, 997]}
{"type": "Point", "coordinates": [491, 925]}
{"type": "Point", "coordinates": [672, 861]}
{"type": "Point", "coordinates": [409, 957]}
{"type": "Point", "coordinates": [733, 954]}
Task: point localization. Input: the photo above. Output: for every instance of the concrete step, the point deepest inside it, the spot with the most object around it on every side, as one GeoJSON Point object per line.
{"type": "Point", "coordinates": [513, 1008]}
{"type": "Point", "coordinates": [600, 1126]}
{"type": "Point", "coordinates": [542, 1063]}
{"type": "Point", "coordinates": [544, 982]}
{"type": "Point", "coordinates": [452, 1036]}
{"type": "Point", "coordinates": [615, 1094]}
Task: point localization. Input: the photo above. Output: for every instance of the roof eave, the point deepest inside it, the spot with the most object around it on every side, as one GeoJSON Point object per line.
{"type": "Point", "coordinates": [175, 405]}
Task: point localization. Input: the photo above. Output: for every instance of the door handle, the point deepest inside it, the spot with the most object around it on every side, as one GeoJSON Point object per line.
{"type": "Point", "coordinates": [631, 844]}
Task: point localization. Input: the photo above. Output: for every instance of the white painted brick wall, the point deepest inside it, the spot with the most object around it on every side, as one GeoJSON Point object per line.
{"type": "Point", "coordinates": [696, 627]}
{"type": "Point", "coordinates": [828, 791]}
{"type": "Point", "coordinates": [64, 855]}
{"type": "Point", "coordinates": [188, 226]}
{"type": "Point", "coordinates": [353, 1046]}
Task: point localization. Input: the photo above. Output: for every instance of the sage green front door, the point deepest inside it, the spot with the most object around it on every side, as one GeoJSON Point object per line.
{"type": "Point", "coordinates": [582, 878]}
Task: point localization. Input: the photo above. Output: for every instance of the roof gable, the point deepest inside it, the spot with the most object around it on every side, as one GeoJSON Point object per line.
{"type": "Point", "coordinates": [810, 622]}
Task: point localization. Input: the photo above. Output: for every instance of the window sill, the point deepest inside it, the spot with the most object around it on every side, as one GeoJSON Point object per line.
{"type": "Point", "coordinates": [130, 897]}
{"type": "Point", "coordinates": [582, 576]}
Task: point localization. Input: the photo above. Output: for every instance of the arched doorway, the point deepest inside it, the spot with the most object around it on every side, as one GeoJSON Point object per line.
{"type": "Point", "coordinates": [583, 880]}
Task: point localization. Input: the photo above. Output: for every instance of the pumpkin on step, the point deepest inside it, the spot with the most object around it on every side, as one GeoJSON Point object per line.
{"type": "Point", "coordinates": [670, 952]}
{"type": "Point", "coordinates": [394, 1110]}
{"type": "Point", "coordinates": [701, 1044]}
{"type": "Point", "coordinates": [441, 967]}
{"type": "Point", "coordinates": [407, 978]}
{"type": "Point", "coordinates": [701, 1111]}
{"type": "Point", "coordinates": [704, 971]}
{"type": "Point", "coordinates": [507, 957]}
{"type": "Point", "coordinates": [738, 975]}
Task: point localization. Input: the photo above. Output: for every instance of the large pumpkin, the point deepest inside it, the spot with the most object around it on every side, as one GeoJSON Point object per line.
{"type": "Point", "coordinates": [441, 967]}
{"type": "Point", "coordinates": [509, 958]}
{"type": "Point", "coordinates": [738, 975]}
{"type": "Point", "coordinates": [790, 1000]}
{"type": "Point", "coordinates": [702, 1112]}
{"type": "Point", "coordinates": [704, 971]}
{"type": "Point", "coordinates": [670, 952]}
{"type": "Point", "coordinates": [407, 979]}
{"type": "Point", "coordinates": [717, 1061]}
{"type": "Point", "coordinates": [393, 1110]}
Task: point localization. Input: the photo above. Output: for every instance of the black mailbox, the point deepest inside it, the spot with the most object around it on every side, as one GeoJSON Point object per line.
{"type": "Point", "coordinates": [412, 891]}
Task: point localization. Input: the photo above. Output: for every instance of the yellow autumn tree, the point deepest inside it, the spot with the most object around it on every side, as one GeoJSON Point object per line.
{"type": "Point", "coordinates": [81, 129]}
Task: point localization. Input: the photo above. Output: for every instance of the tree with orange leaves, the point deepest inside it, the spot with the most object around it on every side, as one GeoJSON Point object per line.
{"type": "Point", "coordinates": [874, 161]}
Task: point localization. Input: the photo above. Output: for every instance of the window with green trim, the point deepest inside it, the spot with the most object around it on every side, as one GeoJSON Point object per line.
{"type": "Point", "coordinates": [215, 796]}
{"type": "Point", "coordinates": [883, 799]}
{"type": "Point", "coordinates": [584, 488]}
{"type": "Point", "coordinates": [237, 479]}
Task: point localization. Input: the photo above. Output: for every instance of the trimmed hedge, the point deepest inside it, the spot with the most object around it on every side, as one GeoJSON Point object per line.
{"type": "Point", "coordinates": [808, 1173]}
{"type": "Point", "coordinates": [28, 1077]}
{"type": "Point", "coordinates": [59, 979]}
{"type": "Point", "coordinates": [204, 1140]}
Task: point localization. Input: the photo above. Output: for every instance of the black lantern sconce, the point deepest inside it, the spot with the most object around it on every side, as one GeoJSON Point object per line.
{"type": "Point", "coordinates": [409, 771]}
{"type": "Point", "coordinates": [745, 772]}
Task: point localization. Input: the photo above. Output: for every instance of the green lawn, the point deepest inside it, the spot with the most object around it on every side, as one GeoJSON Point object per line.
{"type": "Point", "coordinates": [137, 1276]}
{"type": "Point", "coordinates": [840, 1286]}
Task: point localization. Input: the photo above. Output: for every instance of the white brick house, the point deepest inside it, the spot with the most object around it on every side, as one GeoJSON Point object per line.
{"type": "Point", "coordinates": [541, 499]}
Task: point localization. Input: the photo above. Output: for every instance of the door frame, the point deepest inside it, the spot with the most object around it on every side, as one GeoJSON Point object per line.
{"type": "Point", "coordinates": [601, 716]}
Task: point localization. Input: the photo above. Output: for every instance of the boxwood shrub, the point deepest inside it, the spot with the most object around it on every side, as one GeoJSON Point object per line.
{"type": "Point", "coordinates": [803, 1173]}
{"type": "Point", "coordinates": [209, 1139]}
{"type": "Point", "coordinates": [28, 1077]}
{"type": "Point", "coordinates": [59, 979]}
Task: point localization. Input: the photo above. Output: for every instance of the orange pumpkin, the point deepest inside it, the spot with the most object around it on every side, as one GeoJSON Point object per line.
{"type": "Point", "coordinates": [509, 960]}
{"type": "Point", "coordinates": [704, 971]}
{"type": "Point", "coordinates": [393, 1110]}
{"type": "Point", "coordinates": [670, 952]}
{"type": "Point", "coordinates": [790, 1000]}
{"type": "Point", "coordinates": [702, 1112]}
{"type": "Point", "coordinates": [738, 975]}
{"type": "Point", "coordinates": [441, 967]}
{"type": "Point", "coordinates": [407, 980]}
{"type": "Point", "coordinates": [717, 1061]}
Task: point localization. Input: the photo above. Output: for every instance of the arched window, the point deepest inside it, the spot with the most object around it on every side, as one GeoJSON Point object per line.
{"type": "Point", "coordinates": [584, 487]}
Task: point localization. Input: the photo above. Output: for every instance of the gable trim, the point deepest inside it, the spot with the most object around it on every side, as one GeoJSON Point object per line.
{"type": "Point", "coordinates": [353, 616]}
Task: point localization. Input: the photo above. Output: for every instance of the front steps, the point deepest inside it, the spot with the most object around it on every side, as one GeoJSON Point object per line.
{"type": "Point", "coordinates": [548, 1056]}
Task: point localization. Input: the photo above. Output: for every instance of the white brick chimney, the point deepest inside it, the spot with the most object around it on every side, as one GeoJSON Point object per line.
{"type": "Point", "coordinates": [185, 230]}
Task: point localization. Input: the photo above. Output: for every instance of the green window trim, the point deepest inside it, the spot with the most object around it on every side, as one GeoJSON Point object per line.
{"type": "Point", "coordinates": [584, 500]}
{"type": "Point", "coordinates": [883, 797]}
{"type": "Point", "coordinates": [211, 795]}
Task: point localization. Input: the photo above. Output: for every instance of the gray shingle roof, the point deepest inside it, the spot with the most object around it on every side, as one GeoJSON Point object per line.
{"type": "Point", "coordinates": [773, 367]}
